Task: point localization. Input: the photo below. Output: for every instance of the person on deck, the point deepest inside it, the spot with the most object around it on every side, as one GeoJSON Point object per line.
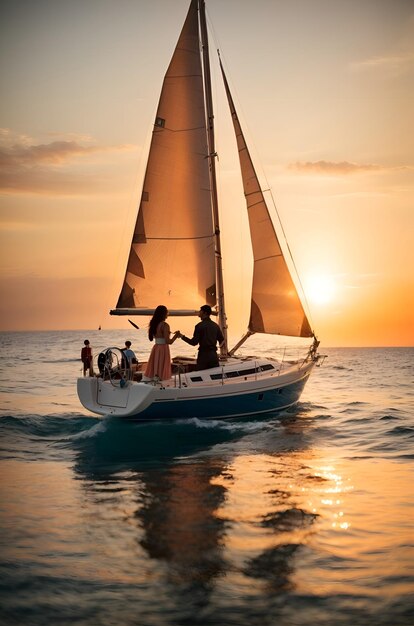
{"type": "Point", "coordinates": [129, 355]}
{"type": "Point", "coordinates": [159, 362]}
{"type": "Point", "coordinates": [86, 358]}
{"type": "Point", "coordinates": [206, 334]}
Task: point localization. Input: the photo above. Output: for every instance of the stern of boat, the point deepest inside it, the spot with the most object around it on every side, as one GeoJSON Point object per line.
{"type": "Point", "coordinates": [105, 398]}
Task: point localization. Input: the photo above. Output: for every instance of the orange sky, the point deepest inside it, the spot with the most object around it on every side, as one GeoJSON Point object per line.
{"type": "Point", "coordinates": [325, 95]}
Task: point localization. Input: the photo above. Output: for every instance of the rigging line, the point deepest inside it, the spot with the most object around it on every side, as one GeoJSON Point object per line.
{"type": "Point", "coordinates": [291, 258]}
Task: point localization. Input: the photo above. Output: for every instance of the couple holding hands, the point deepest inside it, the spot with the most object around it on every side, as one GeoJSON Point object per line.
{"type": "Point", "coordinates": [206, 335]}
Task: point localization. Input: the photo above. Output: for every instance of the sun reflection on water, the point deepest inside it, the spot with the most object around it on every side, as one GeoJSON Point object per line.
{"type": "Point", "coordinates": [330, 482]}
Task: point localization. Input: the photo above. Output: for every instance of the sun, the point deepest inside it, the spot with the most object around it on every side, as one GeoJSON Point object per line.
{"type": "Point", "coordinates": [320, 289]}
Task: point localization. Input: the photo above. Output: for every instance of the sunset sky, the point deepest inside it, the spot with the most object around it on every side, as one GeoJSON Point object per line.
{"type": "Point", "coordinates": [325, 94]}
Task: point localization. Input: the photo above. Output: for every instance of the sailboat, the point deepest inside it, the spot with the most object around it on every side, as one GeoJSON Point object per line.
{"type": "Point", "coordinates": [176, 259]}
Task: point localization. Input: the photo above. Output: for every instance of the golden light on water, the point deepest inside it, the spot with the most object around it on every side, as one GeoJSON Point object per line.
{"type": "Point", "coordinates": [331, 505]}
{"type": "Point", "coordinates": [256, 520]}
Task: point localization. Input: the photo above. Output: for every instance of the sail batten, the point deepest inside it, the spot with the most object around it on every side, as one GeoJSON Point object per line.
{"type": "Point", "coordinates": [177, 238]}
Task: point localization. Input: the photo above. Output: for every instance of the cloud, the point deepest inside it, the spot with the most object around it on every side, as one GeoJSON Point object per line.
{"type": "Point", "coordinates": [28, 166]}
{"type": "Point", "coordinates": [362, 281]}
{"type": "Point", "coordinates": [55, 153]}
{"type": "Point", "coordinates": [333, 168]}
{"type": "Point", "coordinates": [394, 64]}
{"type": "Point", "coordinates": [72, 136]}
{"type": "Point", "coordinates": [13, 227]}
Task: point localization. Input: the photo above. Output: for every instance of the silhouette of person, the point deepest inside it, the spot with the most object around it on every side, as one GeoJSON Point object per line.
{"type": "Point", "coordinates": [86, 358]}
{"type": "Point", "coordinates": [206, 335]}
{"type": "Point", "coordinates": [129, 355]}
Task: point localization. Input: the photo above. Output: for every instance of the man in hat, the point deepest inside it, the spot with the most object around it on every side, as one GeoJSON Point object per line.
{"type": "Point", "coordinates": [206, 335]}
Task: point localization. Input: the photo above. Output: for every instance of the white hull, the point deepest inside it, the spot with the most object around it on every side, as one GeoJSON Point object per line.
{"type": "Point", "coordinates": [240, 388]}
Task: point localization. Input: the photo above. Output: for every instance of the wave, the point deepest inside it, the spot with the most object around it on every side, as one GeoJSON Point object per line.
{"type": "Point", "coordinates": [225, 425]}
{"type": "Point", "coordinates": [402, 431]}
{"type": "Point", "coordinates": [62, 360]}
{"type": "Point", "coordinates": [115, 445]}
{"type": "Point", "coordinates": [357, 403]}
{"type": "Point", "coordinates": [389, 417]}
{"type": "Point", "coordinates": [94, 431]}
{"type": "Point", "coordinates": [45, 426]}
{"type": "Point", "coordinates": [308, 406]}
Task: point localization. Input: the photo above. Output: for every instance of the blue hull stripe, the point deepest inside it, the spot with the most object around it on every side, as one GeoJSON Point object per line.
{"type": "Point", "coordinates": [230, 406]}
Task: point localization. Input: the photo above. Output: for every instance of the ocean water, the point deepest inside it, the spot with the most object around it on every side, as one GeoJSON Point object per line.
{"type": "Point", "coordinates": [301, 518]}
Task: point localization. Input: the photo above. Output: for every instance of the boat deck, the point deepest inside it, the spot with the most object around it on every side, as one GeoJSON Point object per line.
{"type": "Point", "coordinates": [231, 370]}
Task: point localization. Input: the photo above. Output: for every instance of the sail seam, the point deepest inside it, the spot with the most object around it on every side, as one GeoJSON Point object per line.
{"type": "Point", "coordinates": [185, 76]}
{"type": "Point", "coordinates": [271, 256]}
{"type": "Point", "coordinates": [250, 206]}
{"type": "Point", "coordinates": [252, 193]}
{"type": "Point", "coordinates": [181, 130]}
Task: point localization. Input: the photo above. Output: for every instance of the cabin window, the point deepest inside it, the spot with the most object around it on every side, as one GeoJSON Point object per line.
{"type": "Point", "coordinates": [197, 379]}
{"type": "Point", "coordinates": [232, 374]}
{"type": "Point", "coordinates": [260, 397]}
{"type": "Point", "coordinates": [248, 372]}
{"type": "Point", "coordinates": [160, 122]}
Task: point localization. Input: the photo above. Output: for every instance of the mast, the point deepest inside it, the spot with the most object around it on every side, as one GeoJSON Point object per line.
{"type": "Point", "coordinates": [222, 319]}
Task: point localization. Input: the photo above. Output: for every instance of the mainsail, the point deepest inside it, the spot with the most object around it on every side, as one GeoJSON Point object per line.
{"type": "Point", "coordinates": [171, 260]}
{"type": "Point", "coordinates": [175, 251]}
{"type": "Point", "coordinates": [275, 304]}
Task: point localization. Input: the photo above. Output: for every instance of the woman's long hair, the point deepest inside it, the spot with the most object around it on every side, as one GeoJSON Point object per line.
{"type": "Point", "coordinates": [160, 314]}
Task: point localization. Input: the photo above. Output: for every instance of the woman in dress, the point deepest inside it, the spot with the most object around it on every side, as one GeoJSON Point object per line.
{"type": "Point", "coordinates": [159, 362]}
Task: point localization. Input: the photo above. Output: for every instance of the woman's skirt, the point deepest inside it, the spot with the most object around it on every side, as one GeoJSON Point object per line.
{"type": "Point", "coordinates": [159, 362]}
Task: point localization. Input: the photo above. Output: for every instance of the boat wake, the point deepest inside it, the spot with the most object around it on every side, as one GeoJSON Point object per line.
{"type": "Point", "coordinates": [237, 426]}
